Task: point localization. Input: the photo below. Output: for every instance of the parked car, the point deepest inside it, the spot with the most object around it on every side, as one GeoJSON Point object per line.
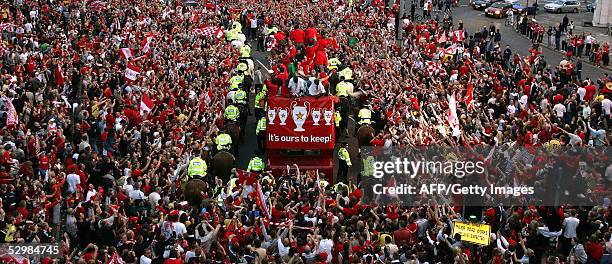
{"type": "Point", "coordinates": [591, 6]}
{"type": "Point", "coordinates": [563, 6]}
{"type": "Point", "coordinates": [499, 10]}
{"type": "Point", "coordinates": [482, 4]}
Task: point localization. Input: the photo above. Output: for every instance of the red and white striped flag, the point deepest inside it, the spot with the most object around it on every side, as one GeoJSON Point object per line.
{"type": "Point", "coordinates": [451, 50]}
{"type": "Point", "coordinates": [198, 31]}
{"type": "Point", "coordinates": [261, 202]}
{"type": "Point", "coordinates": [7, 26]}
{"type": "Point", "coordinates": [11, 119]}
{"type": "Point", "coordinates": [147, 42]}
{"type": "Point", "coordinates": [131, 72]}
{"type": "Point", "coordinates": [97, 5]}
{"type": "Point", "coordinates": [453, 120]}
{"type": "Point", "coordinates": [115, 259]}
{"type": "Point", "coordinates": [469, 97]}
{"type": "Point", "coordinates": [459, 36]}
{"type": "Point", "coordinates": [126, 53]}
{"type": "Point", "coordinates": [146, 104]}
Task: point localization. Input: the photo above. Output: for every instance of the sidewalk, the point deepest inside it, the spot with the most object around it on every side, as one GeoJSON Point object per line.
{"type": "Point", "coordinates": [552, 19]}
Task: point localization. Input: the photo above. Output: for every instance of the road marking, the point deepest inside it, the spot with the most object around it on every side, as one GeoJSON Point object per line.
{"type": "Point", "coordinates": [262, 65]}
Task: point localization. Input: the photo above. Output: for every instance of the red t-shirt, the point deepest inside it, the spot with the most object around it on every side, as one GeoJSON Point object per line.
{"type": "Point", "coordinates": [297, 35]}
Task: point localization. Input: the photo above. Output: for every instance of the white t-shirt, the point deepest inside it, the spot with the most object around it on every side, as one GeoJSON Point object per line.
{"type": "Point", "coordinates": [606, 104]}
{"type": "Point", "coordinates": [73, 180]}
{"type": "Point", "coordinates": [511, 109]}
{"type": "Point", "coordinates": [136, 194]}
{"type": "Point", "coordinates": [581, 93]}
{"type": "Point", "coordinates": [179, 228]}
{"type": "Point", "coordinates": [145, 260]}
{"type": "Point", "coordinates": [326, 246]}
{"type": "Point", "coordinates": [570, 224]}
{"type": "Point", "coordinates": [559, 110]}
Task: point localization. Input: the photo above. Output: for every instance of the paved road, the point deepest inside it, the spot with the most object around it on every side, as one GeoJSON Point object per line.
{"type": "Point", "coordinates": [474, 20]}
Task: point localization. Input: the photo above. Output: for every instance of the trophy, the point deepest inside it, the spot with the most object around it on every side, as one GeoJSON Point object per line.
{"type": "Point", "coordinates": [299, 114]}
{"type": "Point", "coordinates": [316, 116]}
{"type": "Point", "coordinates": [271, 116]}
{"type": "Point", "coordinates": [282, 115]}
{"type": "Point", "coordinates": [327, 115]}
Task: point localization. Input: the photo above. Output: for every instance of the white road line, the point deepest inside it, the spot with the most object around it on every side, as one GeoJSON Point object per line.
{"type": "Point", "coordinates": [262, 65]}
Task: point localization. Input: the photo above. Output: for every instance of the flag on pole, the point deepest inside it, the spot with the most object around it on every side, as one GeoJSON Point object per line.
{"type": "Point", "coordinates": [453, 120]}
{"type": "Point", "coordinates": [146, 104]}
{"type": "Point", "coordinates": [459, 36]}
{"type": "Point", "coordinates": [451, 50]}
{"type": "Point", "coordinates": [261, 202]}
{"type": "Point", "coordinates": [131, 72]}
{"type": "Point", "coordinates": [147, 41]}
{"type": "Point", "coordinates": [11, 119]}
{"type": "Point", "coordinates": [126, 53]}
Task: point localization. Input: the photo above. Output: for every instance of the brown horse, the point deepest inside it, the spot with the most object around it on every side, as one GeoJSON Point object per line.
{"type": "Point", "coordinates": [233, 129]}
{"type": "Point", "coordinates": [193, 191]}
{"type": "Point", "coordinates": [365, 134]}
{"type": "Point", "coordinates": [223, 162]}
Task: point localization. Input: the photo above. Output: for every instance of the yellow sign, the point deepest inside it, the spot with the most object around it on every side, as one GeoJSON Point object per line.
{"type": "Point", "coordinates": [473, 233]}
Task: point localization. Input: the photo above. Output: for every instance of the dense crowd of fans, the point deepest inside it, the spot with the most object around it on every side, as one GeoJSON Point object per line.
{"type": "Point", "coordinates": [105, 103]}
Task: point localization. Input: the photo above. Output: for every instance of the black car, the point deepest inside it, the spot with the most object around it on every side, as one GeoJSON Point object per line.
{"type": "Point", "coordinates": [483, 4]}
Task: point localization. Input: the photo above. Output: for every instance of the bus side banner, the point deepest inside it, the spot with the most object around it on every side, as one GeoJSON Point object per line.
{"type": "Point", "coordinates": [300, 123]}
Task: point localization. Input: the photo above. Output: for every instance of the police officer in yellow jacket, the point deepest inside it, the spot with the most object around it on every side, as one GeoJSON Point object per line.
{"type": "Point", "coordinates": [334, 63]}
{"type": "Point", "coordinates": [245, 51]}
{"type": "Point", "coordinates": [223, 142]}
{"type": "Point", "coordinates": [243, 68]}
{"type": "Point", "coordinates": [197, 167]}
{"type": "Point", "coordinates": [256, 165]}
{"type": "Point", "coordinates": [232, 113]}
{"type": "Point", "coordinates": [344, 162]}
{"type": "Point", "coordinates": [235, 82]}
{"type": "Point", "coordinates": [364, 118]}
{"type": "Point", "coordinates": [347, 73]}
{"type": "Point", "coordinates": [260, 103]}
{"type": "Point", "coordinates": [260, 131]}
{"type": "Point", "coordinates": [344, 88]}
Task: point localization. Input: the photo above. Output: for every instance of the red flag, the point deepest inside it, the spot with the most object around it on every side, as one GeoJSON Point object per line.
{"type": "Point", "coordinates": [146, 104]}
{"type": "Point", "coordinates": [442, 38]}
{"type": "Point", "coordinates": [147, 41]}
{"type": "Point", "coordinates": [451, 50]}
{"type": "Point", "coordinates": [469, 97]}
{"type": "Point", "coordinates": [131, 72]}
{"type": "Point", "coordinates": [459, 36]}
{"type": "Point", "coordinates": [126, 53]}
{"type": "Point", "coordinates": [58, 74]}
